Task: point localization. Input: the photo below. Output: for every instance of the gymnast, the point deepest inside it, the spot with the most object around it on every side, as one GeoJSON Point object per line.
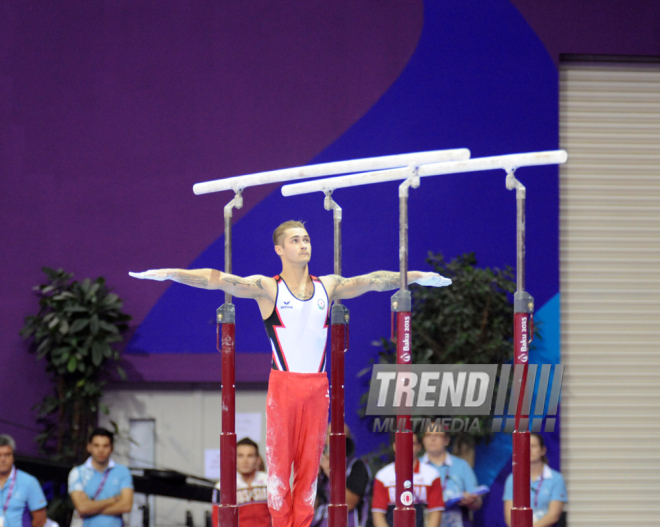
{"type": "Point", "coordinates": [295, 307]}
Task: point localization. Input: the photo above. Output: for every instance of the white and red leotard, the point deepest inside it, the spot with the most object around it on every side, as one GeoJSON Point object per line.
{"type": "Point", "coordinates": [298, 329]}
{"type": "Point", "coordinates": [297, 403]}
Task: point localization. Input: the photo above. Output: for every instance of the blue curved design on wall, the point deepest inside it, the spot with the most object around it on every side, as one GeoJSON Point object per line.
{"type": "Point", "coordinates": [479, 78]}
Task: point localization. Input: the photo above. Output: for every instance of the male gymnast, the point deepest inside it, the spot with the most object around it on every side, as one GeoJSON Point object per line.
{"type": "Point", "coordinates": [295, 307]}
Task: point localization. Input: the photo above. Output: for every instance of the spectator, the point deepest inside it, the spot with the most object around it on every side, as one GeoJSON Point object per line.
{"type": "Point", "coordinates": [21, 497]}
{"type": "Point", "coordinates": [251, 494]}
{"type": "Point", "coordinates": [457, 477]}
{"type": "Point", "coordinates": [101, 490]}
{"type": "Point", "coordinates": [427, 493]}
{"type": "Point", "coordinates": [547, 489]}
{"type": "Point", "coordinates": [358, 477]}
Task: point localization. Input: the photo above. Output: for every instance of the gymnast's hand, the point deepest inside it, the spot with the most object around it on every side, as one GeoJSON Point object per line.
{"type": "Point", "coordinates": [432, 280]}
{"type": "Point", "coordinates": [152, 274]}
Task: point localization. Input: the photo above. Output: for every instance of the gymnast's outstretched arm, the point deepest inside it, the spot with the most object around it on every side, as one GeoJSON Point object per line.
{"type": "Point", "coordinates": [256, 286]}
{"type": "Point", "coordinates": [342, 288]}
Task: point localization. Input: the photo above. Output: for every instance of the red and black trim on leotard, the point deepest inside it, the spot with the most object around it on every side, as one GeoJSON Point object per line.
{"type": "Point", "coordinates": [327, 325]}
{"type": "Point", "coordinates": [272, 322]}
{"type": "Point", "coordinates": [275, 322]}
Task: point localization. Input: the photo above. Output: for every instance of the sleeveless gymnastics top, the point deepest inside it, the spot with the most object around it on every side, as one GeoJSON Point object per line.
{"type": "Point", "coordinates": [298, 329]}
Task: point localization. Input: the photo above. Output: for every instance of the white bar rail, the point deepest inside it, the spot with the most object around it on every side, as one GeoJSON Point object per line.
{"type": "Point", "coordinates": [326, 169]}
{"type": "Point", "coordinates": [507, 162]}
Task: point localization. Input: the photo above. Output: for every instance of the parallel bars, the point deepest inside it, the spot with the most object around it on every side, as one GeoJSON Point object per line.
{"type": "Point", "coordinates": [404, 514]}
{"type": "Point", "coordinates": [226, 322]}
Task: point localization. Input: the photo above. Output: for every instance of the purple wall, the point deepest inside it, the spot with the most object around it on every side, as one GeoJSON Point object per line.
{"type": "Point", "coordinates": [110, 111]}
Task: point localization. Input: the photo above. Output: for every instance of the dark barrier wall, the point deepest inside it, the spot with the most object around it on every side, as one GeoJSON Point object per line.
{"type": "Point", "coordinates": [110, 111]}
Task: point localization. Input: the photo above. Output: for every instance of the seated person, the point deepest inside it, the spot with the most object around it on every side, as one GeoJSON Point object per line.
{"type": "Point", "coordinates": [457, 477]}
{"type": "Point", "coordinates": [251, 491]}
{"type": "Point", "coordinates": [427, 492]}
{"type": "Point", "coordinates": [547, 488]}
{"type": "Point", "coordinates": [358, 477]}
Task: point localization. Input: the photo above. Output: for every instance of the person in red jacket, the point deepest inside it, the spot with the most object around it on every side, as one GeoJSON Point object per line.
{"type": "Point", "coordinates": [251, 487]}
{"type": "Point", "coordinates": [295, 307]}
{"type": "Point", "coordinates": [426, 493]}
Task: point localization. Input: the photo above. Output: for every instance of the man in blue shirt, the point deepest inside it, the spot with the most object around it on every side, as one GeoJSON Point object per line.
{"type": "Point", "coordinates": [22, 502]}
{"type": "Point", "coordinates": [457, 478]}
{"type": "Point", "coordinates": [100, 489]}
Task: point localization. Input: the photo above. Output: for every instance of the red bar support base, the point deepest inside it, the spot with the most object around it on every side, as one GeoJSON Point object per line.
{"type": "Point", "coordinates": [337, 508]}
{"type": "Point", "coordinates": [522, 517]}
{"type": "Point", "coordinates": [404, 517]}
{"type": "Point", "coordinates": [226, 332]}
{"type": "Point", "coordinates": [521, 512]}
{"type": "Point", "coordinates": [228, 515]}
{"type": "Point", "coordinates": [337, 515]}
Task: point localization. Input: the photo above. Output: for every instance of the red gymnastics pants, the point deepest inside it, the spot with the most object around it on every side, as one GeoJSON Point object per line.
{"type": "Point", "coordinates": [296, 423]}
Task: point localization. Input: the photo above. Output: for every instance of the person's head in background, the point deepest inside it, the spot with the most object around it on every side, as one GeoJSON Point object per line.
{"type": "Point", "coordinates": [247, 457]}
{"type": "Point", "coordinates": [7, 448]}
{"type": "Point", "coordinates": [100, 445]}
{"type": "Point", "coordinates": [350, 444]}
{"type": "Point", "coordinates": [417, 445]}
{"type": "Point", "coordinates": [537, 449]}
{"type": "Point", "coordinates": [435, 443]}
{"type": "Point", "coordinates": [347, 432]}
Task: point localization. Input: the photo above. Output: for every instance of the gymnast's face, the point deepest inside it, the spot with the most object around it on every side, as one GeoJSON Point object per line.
{"type": "Point", "coordinates": [296, 246]}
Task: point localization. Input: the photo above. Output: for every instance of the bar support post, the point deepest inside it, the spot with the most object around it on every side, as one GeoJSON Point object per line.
{"type": "Point", "coordinates": [226, 345]}
{"type": "Point", "coordinates": [339, 318]}
{"type": "Point", "coordinates": [523, 318]}
{"type": "Point", "coordinates": [404, 511]}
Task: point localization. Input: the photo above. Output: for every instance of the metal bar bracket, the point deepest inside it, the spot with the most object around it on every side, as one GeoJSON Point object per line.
{"type": "Point", "coordinates": [226, 314]}
{"type": "Point", "coordinates": [523, 302]}
{"type": "Point", "coordinates": [339, 315]}
{"type": "Point", "coordinates": [401, 301]}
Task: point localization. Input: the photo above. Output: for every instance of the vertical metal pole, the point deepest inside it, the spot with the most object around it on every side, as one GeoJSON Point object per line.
{"type": "Point", "coordinates": [226, 345]}
{"type": "Point", "coordinates": [228, 240]}
{"type": "Point", "coordinates": [404, 512]}
{"type": "Point", "coordinates": [337, 508]}
{"type": "Point", "coordinates": [523, 309]}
